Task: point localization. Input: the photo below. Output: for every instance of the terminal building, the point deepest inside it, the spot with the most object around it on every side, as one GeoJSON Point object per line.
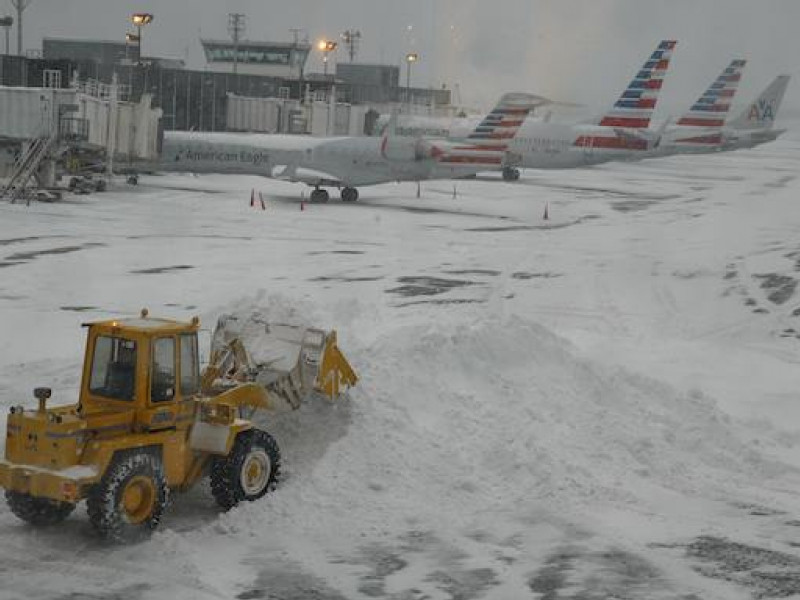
{"type": "Point", "coordinates": [271, 85]}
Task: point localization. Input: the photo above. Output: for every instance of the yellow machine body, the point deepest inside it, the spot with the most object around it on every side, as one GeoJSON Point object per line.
{"type": "Point", "coordinates": [60, 452]}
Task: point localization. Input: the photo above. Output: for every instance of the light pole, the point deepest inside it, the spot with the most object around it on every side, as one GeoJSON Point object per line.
{"type": "Point", "coordinates": [6, 23]}
{"type": "Point", "coordinates": [411, 58]}
{"type": "Point", "coordinates": [132, 39]}
{"type": "Point", "coordinates": [326, 47]}
{"type": "Point", "coordinates": [139, 20]}
{"type": "Point", "coordinates": [20, 5]}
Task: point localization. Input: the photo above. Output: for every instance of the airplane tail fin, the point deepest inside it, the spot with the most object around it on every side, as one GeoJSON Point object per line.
{"type": "Point", "coordinates": [487, 145]}
{"type": "Point", "coordinates": [761, 113]}
{"type": "Point", "coordinates": [635, 106]}
{"type": "Point", "coordinates": [504, 121]}
{"type": "Point", "coordinates": [712, 107]}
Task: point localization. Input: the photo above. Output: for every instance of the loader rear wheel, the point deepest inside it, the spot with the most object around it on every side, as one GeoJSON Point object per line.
{"type": "Point", "coordinates": [248, 472]}
{"type": "Point", "coordinates": [130, 499]}
{"type": "Point", "coordinates": [38, 511]}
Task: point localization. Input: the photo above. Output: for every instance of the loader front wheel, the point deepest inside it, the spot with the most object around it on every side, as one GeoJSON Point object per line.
{"type": "Point", "coordinates": [248, 472]}
{"type": "Point", "coordinates": [38, 511]}
{"type": "Point", "coordinates": [130, 499]}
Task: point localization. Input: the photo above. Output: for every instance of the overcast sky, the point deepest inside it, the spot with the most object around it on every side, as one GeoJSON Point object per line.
{"type": "Point", "coordinates": [572, 50]}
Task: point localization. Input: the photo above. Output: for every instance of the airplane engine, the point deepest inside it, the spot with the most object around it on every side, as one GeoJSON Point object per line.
{"type": "Point", "coordinates": [729, 138]}
{"type": "Point", "coordinates": [406, 149]}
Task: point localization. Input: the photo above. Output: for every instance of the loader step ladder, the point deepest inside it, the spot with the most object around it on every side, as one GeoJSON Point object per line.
{"type": "Point", "coordinates": [27, 165]}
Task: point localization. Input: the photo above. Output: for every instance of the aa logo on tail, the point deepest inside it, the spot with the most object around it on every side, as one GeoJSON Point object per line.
{"type": "Point", "coordinates": [762, 110]}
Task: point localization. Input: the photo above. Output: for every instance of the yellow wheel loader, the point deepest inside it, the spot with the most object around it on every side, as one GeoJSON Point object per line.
{"type": "Point", "coordinates": [148, 423]}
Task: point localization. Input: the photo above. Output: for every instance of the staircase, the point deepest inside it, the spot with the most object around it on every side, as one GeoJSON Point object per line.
{"type": "Point", "coordinates": [27, 165]}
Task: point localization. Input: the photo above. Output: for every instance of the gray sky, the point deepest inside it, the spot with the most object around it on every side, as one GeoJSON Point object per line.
{"type": "Point", "coordinates": [578, 50]}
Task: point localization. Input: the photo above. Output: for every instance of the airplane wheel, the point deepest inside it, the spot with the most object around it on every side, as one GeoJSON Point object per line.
{"type": "Point", "coordinates": [349, 194]}
{"type": "Point", "coordinates": [320, 196]}
{"type": "Point", "coordinates": [510, 174]}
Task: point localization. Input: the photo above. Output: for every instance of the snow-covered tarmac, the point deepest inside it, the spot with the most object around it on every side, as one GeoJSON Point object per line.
{"type": "Point", "coordinates": [605, 404]}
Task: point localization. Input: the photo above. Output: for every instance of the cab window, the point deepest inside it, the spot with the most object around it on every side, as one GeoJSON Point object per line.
{"type": "Point", "coordinates": [113, 368]}
{"type": "Point", "coordinates": [162, 373]}
{"type": "Point", "coordinates": [190, 372]}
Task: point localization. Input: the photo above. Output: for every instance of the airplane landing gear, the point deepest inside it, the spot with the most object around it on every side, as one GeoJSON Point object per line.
{"type": "Point", "coordinates": [510, 174]}
{"type": "Point", "coordinates": [349, 194]}
{"type": "Point", "coordinates": [319, 195]}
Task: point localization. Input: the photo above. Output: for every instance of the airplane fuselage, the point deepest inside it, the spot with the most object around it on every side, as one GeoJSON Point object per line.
{"type": "Point", "coordinates": [343, 162]}
{"type": "Point", "coordinates": [563, 146]}
{"type": "Point", "coordinates": [682, 140]}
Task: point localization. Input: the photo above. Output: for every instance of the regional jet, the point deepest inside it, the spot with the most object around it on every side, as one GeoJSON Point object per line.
{"type": "Point", "coordinates": [349, 162]}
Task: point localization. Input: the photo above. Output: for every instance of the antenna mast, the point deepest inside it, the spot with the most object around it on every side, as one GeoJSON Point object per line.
{"type": "Point", "coordinates": [236, 25]}
{"type": "Point", "coordinates": [352, 39]}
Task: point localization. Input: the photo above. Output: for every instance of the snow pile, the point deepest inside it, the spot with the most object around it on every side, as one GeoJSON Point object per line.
{"type": "Point", "coordinates": [454, 419]}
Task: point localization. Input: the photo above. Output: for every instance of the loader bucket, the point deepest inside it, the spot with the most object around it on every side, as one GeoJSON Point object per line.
{"type": "Point", "coordinates": [288, 361]}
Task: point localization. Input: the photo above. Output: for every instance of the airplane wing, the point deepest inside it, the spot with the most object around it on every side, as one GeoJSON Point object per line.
{"type": "Point", "coordinates": [652, 137]}
{"type": "Point", "coordinates": [310, 177]}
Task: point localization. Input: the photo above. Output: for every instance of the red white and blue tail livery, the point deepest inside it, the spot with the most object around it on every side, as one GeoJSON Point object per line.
{"type": "Point", "coordinates": [488, 144]}
{"type": "Point", "coordinates": [635, 107]}
{"type": "Point", "coordinates": [711, 109]}
{"type": "Point", "coordinates": [504, 121]}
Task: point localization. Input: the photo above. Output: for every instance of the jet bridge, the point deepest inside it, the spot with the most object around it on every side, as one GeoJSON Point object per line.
{"type": "Point", "coordinates": [85, 118]}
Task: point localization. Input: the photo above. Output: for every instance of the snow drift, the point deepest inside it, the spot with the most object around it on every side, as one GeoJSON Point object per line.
{"type": "Point", "coordinates": [459, 418]}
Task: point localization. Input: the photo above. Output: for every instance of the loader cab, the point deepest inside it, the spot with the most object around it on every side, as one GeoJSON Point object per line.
{"type": "Point", "coordinates": [146, 369]}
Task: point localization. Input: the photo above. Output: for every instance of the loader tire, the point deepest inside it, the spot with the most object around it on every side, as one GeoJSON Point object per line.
{"type": "Point", "coordinates": [127, 504]}
{"type": "Point", "coordinates": [38, 511]}
{"type": "Point", "coordinates": [248, 472]}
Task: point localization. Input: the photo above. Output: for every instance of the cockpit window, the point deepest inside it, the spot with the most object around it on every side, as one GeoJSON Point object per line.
{"type": "Point", "coordinates": [113, 368]}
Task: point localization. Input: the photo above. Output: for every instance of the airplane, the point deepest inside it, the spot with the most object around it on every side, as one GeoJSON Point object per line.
{"type": "Point", "coordinates": [620, 134]}
{"type": "Point", "coordinates": [349, 162]}
{"type": "Point", "coordinates": [704, 127]}
{"type": "Point", "coordinates": [700, 128]}
{"type": "Point", "coordinates": [755, 125]}
{"type": "Point", "coordinates": [453, 128]}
